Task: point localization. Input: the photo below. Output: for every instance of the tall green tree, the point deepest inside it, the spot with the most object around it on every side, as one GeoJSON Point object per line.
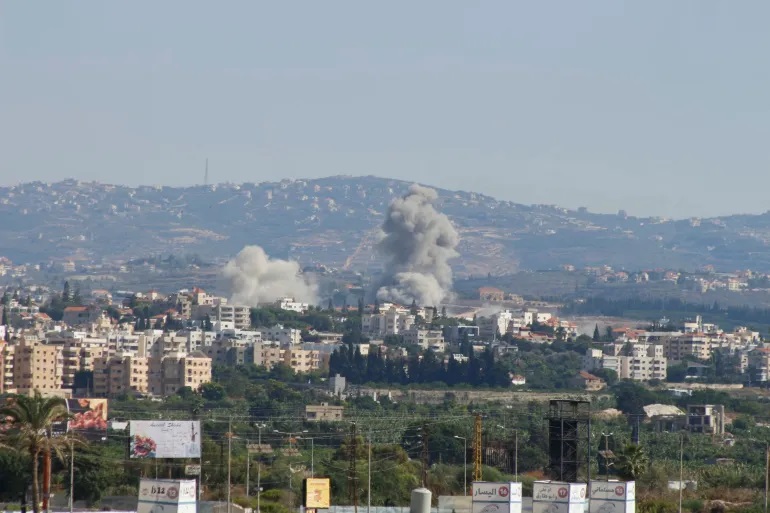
{"type": "Point", "coordinates": [65, 295]}
{"type": "Point", "coordinates": [31, 420]}
{"type": "Point", "coordinates": [597, 336]}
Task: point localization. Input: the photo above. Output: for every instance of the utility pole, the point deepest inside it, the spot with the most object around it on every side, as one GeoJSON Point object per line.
{"type": "Point", "coordinates": [465, 464]}
{"type": "Point", "coordinates": [767, 472]}
{"type": "Point", "coordinates": [681, 471]}
{"type": "Point", "coordinates": [248, 467]}
{"type": "Point", "coordinates": [352, 472]}
{"type": "Point", "coordinates": [607, 454]}
{"type": "Point", "coordinates": [259, 427]}
{"type": "Point", "coordinates": [516, 454]}
{"type": "Point", "coordinates": [424, 456]}
{"type": "Point", "coordinates": [477, 448]}
{"type": "Point", "coordinates": [72, 475]}
{"type": "Point", "coordinates": [229, 460]}
{"type": "Point", "coordinates": [369, 468]}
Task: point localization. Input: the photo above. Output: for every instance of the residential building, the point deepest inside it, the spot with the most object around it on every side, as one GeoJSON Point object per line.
{"type": "Point", "coordinates": [706, 418]}
{"type": "Point", "coordinates": [288, 303]}
{"type": "Point", "coordinates": [81, 315]}
{"type": "Point", "coordinates": [120, 374]}
{"type": "Point", "coordinates": [239, 316]}
{"type": "Point", "coordinates": [695, 345]}
{"type": "Point", "coordinates": [589, 382]}
{"type": "Point", "coordinates": [392, 321]}
{"type": "Point", "coordinates": [323, 413]}
{"type": "Point", "coordinates": [37, 366]}
{"type": "Point", "coordinates": [638, 362]}
{"type": "Point", "coordinates": [281, 335]}
{"type": "Point", "coordinates": [425, 339]}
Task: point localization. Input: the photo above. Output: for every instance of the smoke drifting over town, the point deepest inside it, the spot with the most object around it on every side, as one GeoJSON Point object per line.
{"type": "Point", "coordinates": [253, 278]}
{"type": "Point", "coordinates": [418, 242]}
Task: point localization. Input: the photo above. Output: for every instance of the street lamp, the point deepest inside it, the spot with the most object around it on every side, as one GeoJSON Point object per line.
{"type": "Point", "coordinates": [259, 427]}
{"type": "Point", "coordinates": [607, 453]}
{"type": "Point", "coordinates": [465, 464]}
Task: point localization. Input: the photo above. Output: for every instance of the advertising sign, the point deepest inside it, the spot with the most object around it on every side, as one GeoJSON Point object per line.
{"type": "Point", "coordinates": [317, 493]}
{"type": "Point", "coordinates": [166, 496]}
{"type": "Point", "coordinates": [496, 492]}
{"type": "Point", "coordinates": [165, 439]}
{"type": "Point", "coordinates": [87, 415]}
{"type": "Point", "coordinates": [559, 507]}
{"type": "Point", "coordinates": [605, 506]}
{"type": "Point", "coordinates": [613, 490]}
{"type": "Point", "coordinates": [192, 470]}
{"type": "Point", "coordinates": [496, 497]}
{"type": "Point", "coordinates": [554, 491]}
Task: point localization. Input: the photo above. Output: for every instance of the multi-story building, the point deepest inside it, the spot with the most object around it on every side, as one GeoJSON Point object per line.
{"type": "Point", "coordinates": [37, 366]}
{"type": "Point", "coordinates": [706, 418]}
{"type": "Point", "coordinates": [695, 345]}
{"type": "Point", "coordinates": [281, 335]}
{"type": "Point", "coordinates": [288, 303]}
{"type": "Point", "coordinates": [425, 339]}
{"type": "Point", "coordinates": [81, 315]}
{"type": "Point", "coordinates": [122, 373]}
{"type": "Point", "coordinates": [638, 362]}
{"type": "Point", "coordinates": [158, 376]}
{"type": "Point", "coordinates": [323, 412]}
{"type": "Point", "coordinates": [300, 360]}
{"type": "Point", "coordinates": [239, 316]}
{"type": "Point", "coordinates": [6, 367]}
{"type": "Point", "coordinates": [392, 321]}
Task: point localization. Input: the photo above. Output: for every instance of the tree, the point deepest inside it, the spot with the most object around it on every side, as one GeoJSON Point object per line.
{"type": "Point", "coordinates": [376, 306]}
{"type": "Point", "coordinates": [632, 462]}
{"type": "Point", "coordinates": [413, 307]}
{"type": "Point", "coordinates": [597, 335]}
{"type": "Point", "coordinates": [76, 297]}
{"type": "Point", "coordinates": [65, 295]}
{"type": "Point", "coordinates": [31, 420]}
{"type": "Point", "coordinates": [443, 312]}
{"type": "Point", "coordinates": [330, 306]}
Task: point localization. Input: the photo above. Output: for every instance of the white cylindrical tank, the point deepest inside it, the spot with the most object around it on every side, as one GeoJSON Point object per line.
{"type": "Point", "coordinates": [420, 501]}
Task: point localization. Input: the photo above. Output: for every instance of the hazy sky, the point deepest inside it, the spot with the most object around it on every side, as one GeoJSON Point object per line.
{"type": "Point", "coordinates": [657, 107]}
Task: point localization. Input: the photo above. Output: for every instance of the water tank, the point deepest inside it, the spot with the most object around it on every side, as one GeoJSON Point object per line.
{"type": "Point", "coordinates": [420, 501]}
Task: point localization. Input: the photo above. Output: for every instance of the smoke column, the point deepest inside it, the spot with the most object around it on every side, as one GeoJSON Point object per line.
{"type": "Point", "coordinates": [253, 278]}
{"type": "Point", "coordinates": [418, 242]}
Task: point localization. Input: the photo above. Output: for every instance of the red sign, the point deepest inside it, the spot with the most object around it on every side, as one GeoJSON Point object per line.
{"type": "Point", "coordinates": [619, 491]}
{"type": "Point", "coordinates": [563, 492]}
{"type": "Point", "coordinates": [503, 491]}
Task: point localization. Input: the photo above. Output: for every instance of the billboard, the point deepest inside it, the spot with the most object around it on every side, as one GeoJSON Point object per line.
{"type": "Point", "coordinates": [87, 415]}
{"type": "Point", "coordinates": [165, 439]}
{"type": "Point", "coordinates": [496, 497]}
{"type": "Point", "coordinates": [317, 493]}
{"type": "Point", "coordinates": [167, 496]}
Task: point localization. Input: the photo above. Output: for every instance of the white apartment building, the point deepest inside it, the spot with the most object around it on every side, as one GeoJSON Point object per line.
{"type": "Point", "coordinates": [393, 321]}
{"type": "Point", "coordinates": [426, 339]}
{"type": "Point", "coordinates": [238, 315]}
{"type": "Point", "coordinates": [640, 362]}
{"type": "Point", "coordinates": [288, 303]}
{"type": "Point", "coordinates": [281, 335]}
{"type": "Point", "coordinates": [490, 327]}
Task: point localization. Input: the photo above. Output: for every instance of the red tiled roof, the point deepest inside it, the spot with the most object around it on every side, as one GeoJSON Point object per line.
{"type": "Point", "coordinates": [75, 309]}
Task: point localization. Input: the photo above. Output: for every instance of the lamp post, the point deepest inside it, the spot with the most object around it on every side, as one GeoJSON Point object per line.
{"type": "Point", "coordinates": [681, 470]}
{"type": "Point", "coordinates": [259, 427]}
{"type": "Point", "coordinates": [465, 464]}
{"type": "Point", "coordinates": [607, 454]}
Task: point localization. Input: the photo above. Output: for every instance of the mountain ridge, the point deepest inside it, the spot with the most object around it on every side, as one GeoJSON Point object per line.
{"type": "Point", "coordinates": [334, 220]}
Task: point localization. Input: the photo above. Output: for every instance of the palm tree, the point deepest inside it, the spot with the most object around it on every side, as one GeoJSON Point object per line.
{"type": "Point", "coordinates": [30, 420]}
{"type": "Point", "coordinates": [632, 462]}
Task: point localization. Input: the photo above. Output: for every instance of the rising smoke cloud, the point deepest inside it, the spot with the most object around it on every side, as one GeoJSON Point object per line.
{"type": "Point", "coordinates": [254, 278]}
{"type": "Point", "coordinates": [418, 242]}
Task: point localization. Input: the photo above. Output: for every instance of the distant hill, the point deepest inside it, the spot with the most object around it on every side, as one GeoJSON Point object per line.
{"type": "Point", "coordinates": [334, 221]}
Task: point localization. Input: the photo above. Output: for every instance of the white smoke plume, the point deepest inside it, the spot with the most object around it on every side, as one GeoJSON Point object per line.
{"type": "Point", "coordinates": [418, 242]}
{"type": "Point", "coordinates": [254, 278]}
